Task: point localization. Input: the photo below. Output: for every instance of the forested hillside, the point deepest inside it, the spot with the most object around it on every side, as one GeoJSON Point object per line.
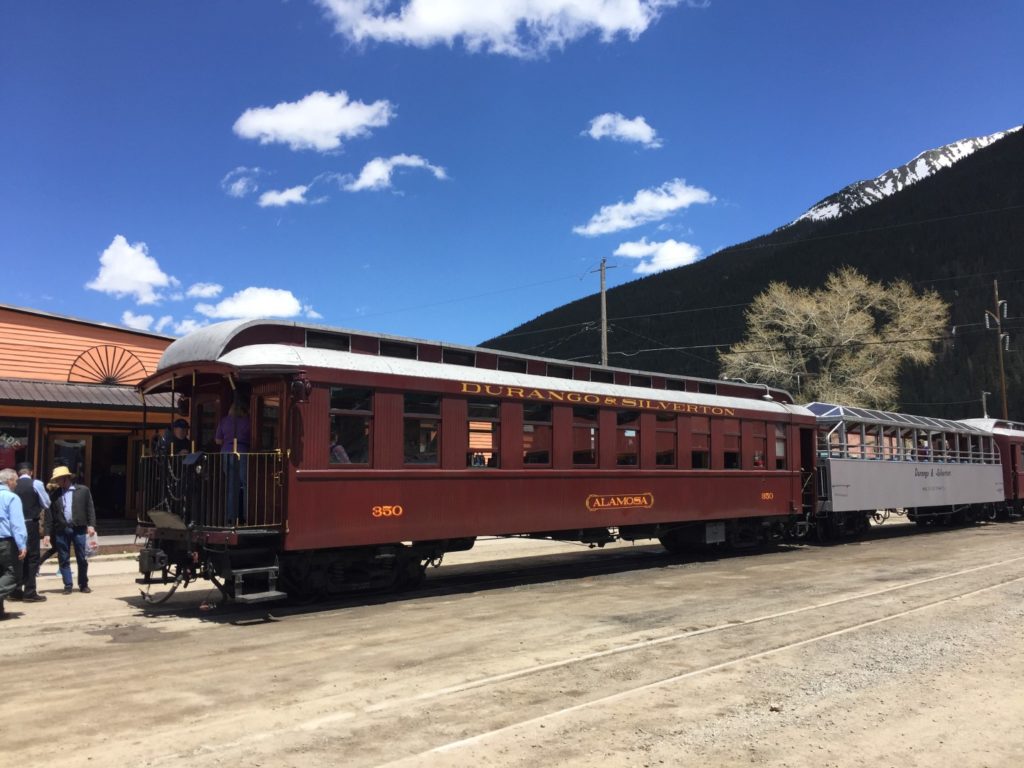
{"type": "Point", "coordinates": [956, 232]}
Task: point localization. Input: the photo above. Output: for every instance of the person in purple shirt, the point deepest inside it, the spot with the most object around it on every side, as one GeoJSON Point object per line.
{"type": "Point", "coordinates": [234, 436]}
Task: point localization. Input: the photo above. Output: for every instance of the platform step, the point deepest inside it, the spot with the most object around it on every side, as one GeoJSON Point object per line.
{"type": "Point", "coordinates": [269, 569]}
{"type": "Point", "coordinates": [261, 597]}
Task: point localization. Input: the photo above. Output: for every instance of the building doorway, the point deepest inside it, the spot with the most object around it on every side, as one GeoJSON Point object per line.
{"type": "Point", "coordinates": [98, 460]}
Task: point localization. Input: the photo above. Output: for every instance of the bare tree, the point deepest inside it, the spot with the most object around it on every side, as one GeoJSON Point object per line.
{"type": "Point", "coordinates": [843, 343]}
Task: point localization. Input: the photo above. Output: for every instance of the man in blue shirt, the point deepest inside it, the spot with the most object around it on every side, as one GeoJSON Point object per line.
{"type": "Point", "coordinates": [13, 536]}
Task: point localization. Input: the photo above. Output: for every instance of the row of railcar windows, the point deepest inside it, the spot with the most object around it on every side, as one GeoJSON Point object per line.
{"type": "Point", "coordinates": [351, 420]}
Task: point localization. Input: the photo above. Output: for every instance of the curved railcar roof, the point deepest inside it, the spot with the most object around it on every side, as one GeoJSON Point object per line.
{"type": "Point", "coordinates": [285, 344]}
{"type": "Point", "coordinates": [831, 412]}
{"type": "Point", "coordinates": [998, 426]}
{"type": "Point", "coordinates": [267, 357]}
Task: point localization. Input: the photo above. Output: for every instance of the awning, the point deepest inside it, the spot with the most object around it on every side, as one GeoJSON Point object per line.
{"type": "Point", "coordinates": [59, 395]}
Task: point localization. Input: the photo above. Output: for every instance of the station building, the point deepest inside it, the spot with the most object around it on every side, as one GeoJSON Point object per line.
{"type": "Point", "coordinates": [67, 393]}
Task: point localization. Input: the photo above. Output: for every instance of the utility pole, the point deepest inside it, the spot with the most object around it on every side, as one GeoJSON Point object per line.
{"type": "Point", "coordinates": [994, 319]}
{"type": "Point", "coordinates": [604, 312]}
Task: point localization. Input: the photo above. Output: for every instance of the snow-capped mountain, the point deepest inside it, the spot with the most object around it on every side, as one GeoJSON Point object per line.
{"type": "Point", "coordinates": [864, 193]}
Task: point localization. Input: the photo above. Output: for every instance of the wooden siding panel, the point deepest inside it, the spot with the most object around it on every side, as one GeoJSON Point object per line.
{"type": "Point", "coordinates": [44, 348]}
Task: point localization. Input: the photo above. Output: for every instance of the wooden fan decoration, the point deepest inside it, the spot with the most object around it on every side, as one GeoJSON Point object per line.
{"type": "Point", "coordinates": [106, 364]}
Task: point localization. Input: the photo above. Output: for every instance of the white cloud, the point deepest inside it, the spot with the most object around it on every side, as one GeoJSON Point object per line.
{"type": "Point", "coordinates": [618, 127]}
{"type": "Point", "coordinates": [318, 121]}
{"type": "Point", "coordinates": [312, 314]}
{"type": "Point", "coordinates": [512, 27]}
{"type": "Point", "coordinates": [129, 270]}
{"type": "Point", "coordinates": [280, 198]}
{"type": "Point", "coordinates": [204, 290]}
{"type": "Point", "coordinates": [162, 323]}
{"type": "Point", "coordinates": [646, 206]}
{"type": "Point", "coordinates": [655, 257]}
{"type": "Point", "coordinates": [241, 182]}
{"type": "Point", "coordinates": [255, 302]}
{"type": "Point", "coordinates": [188, 325]}
{"type": "Point", "coordinates": [376, 174]}
{"type": "Point", "coordinates": [138, 322]}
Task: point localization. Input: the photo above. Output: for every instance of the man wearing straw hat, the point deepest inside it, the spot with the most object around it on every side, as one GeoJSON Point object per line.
{"type": "Point", "coordinates": [69, 520]}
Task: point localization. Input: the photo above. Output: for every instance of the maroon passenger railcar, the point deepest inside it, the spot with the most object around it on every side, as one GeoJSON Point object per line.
{"type": "Point", "coordinates": [1009, 437]}
{"type": "Point", "coordinates": [372, 456]}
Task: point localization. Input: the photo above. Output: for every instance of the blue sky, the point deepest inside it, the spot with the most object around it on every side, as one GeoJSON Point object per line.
{"type": "Point", "coordinates": [447, 173]}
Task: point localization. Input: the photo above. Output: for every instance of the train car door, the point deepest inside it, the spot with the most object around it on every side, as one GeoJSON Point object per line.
{"type": "Point", "coordinates": [808, 493]}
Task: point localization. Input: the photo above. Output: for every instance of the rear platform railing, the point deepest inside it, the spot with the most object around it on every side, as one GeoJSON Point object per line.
{"type": "Point", "coordinates": [214, 490]}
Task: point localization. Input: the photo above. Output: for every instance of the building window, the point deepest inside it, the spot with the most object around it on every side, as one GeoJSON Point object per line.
{"type": "Point", "coordinates": [351, 425]}
{"type": "Point", "coordinates": [14, 444]}
{"type": "Point", "coordinates": [701, 450]}
{"type": "Point", "coordinates": [780, 447]}
{"type": "Point", "coordinates": [484, 433]}
{"type": "Point", "coordinates": [627, 438]}
{"type": "Point", "coordinates": [536, 435]}
{"type": "Point", "coordinates": [422, 434]}
{"type": "Point", "coordinates": [584, 436]}
{"type": "Point", "coordinates": [665, 441]}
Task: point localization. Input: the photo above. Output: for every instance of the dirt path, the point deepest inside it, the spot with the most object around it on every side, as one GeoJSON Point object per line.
{"type": "Point", "coordinates": [901, 651]}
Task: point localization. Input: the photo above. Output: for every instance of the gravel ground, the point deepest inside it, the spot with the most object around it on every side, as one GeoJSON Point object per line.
{"type": "Point", "coordinates": [903, 650]}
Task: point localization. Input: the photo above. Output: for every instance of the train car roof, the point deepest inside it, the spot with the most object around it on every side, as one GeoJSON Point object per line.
{"type": "Point", "coordinates": [268, 357]}
{"type": "Point", "coordinates": [998, 426]}
{"type": "Point", "coordinates": [213, 342]}
{"type": "Point", "coordinates": [832, 413]}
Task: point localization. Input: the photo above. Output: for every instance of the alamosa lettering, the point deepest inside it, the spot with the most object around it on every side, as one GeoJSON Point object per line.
{"type": "Point", "coordinates": [554, 396]}
{"type": "Point", "coordinates": [597, 502]}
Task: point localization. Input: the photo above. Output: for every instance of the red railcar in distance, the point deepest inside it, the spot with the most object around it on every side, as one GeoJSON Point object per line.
{"type": "Point", "coordinates": [1009, 437]}
{"type": "Point", "coordinates": [372, 456]}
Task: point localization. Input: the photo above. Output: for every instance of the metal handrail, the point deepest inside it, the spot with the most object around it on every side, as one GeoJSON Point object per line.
{"type": "Point", "coordinates": [201, 488]}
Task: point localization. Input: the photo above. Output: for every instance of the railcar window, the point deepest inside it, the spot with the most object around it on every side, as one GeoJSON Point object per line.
{"type": "Point", "coordinates": [701, 451]}
{"type": "Point", "coordinates": [561, 371]}
{"type": "Point", "coordinates": [707, 388]}
{"type": "Point", "coordinates": [584, 436]}
{"type": "Point", "coordinates": [731, 449]}
{"type": "Point", "coordinates": [484, 433]}
{"type": "Point", "coordinates": [537, 434]}
{"type": "Point", "coordinates": [397, 349]}
{"type": "Point", "coordinates": [269, 410]}
{"type": "Point", "coordinates": [676, 384]}
{"type": "Point", "coordinates": [323, 340]}
{"type": "Point", "coordinates": [665, 441]}
{"type": "Point", "coordinates": [780, 447]}
{"type": "Point", "coordinates": [604, 377]}
{"type": "Point", "coordinates": [511, 365]}
{"type": "Point", "coordinates": [627, 438]}
{"type": "Point", "coordinates": [351, 425]}
{"type": "Point", "coordinates": [458, 357]}
{"type": "Point", "coordinates": [639, 381]}
{"type": "Point", "coordinates": [422, 432]}
{"type": "Point", "coordinates": [760, 444]}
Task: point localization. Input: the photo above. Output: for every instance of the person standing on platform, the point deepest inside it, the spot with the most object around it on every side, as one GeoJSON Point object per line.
{"type": "Point", "coordinates": [234, 436]}
{"type": "Point", "coordinates": [34, 503]}
{"type": "Point", "coordinates": [13, 536]}
{"type": "Point", "coordinates": [70, 520]}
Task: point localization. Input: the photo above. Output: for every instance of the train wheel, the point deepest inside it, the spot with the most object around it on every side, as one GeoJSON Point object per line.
{"type": "Point", "coordinates": [672, 544]}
